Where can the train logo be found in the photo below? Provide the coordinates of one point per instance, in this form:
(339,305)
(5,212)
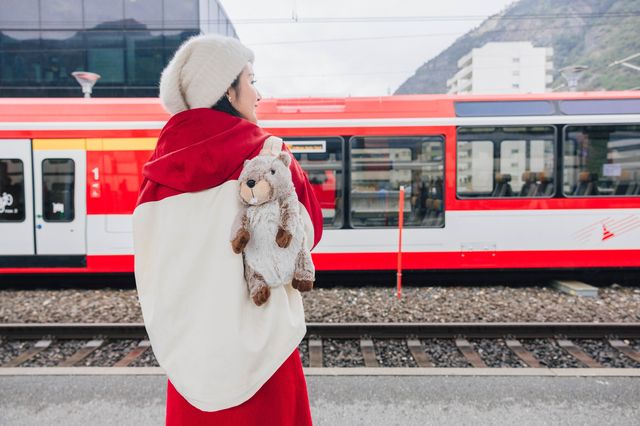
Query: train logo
(5,201)
(606,234)
(57,208)
(609,228)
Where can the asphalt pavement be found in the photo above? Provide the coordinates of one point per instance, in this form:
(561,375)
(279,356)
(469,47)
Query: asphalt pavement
(341,400)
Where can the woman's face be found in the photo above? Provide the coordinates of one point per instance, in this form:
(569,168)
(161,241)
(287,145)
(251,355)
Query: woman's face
(245,97)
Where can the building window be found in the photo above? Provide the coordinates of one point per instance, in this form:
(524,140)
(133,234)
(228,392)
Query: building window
(380,165)
(143,14)
(105,55)
(62,53)
(515,73)
(61,14)
(516,60)
(145,58)
(515,86)
(19,14)
(181,14)
(100,14)
(602,160)
(20,58)
(498,162)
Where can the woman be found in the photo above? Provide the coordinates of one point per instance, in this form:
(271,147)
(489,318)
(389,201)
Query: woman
(228,361)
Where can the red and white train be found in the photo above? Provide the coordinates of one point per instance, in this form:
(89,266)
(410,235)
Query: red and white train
(547,181)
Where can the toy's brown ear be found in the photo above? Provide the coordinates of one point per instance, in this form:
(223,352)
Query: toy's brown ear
(285,158)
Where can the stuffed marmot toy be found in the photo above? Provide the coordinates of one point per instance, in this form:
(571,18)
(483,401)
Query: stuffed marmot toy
(268,229)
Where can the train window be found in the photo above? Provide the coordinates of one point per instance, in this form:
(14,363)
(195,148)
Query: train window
(380,165)
(602,160)
(12,208)
(600,106)
(321,159)
(475,167)
(503,108)
(58,181)
(498,162)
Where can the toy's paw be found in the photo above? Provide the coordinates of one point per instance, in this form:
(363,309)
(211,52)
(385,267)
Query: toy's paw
(302,285)
(261,294)
(283,238)
(240,241)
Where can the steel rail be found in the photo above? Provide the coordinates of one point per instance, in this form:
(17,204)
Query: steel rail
(349,330)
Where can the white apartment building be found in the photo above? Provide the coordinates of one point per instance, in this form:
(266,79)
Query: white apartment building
(504,67)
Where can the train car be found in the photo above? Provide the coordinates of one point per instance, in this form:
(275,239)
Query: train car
(498,182)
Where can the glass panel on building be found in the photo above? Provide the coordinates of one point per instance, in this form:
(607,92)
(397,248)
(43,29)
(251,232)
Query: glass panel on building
(143,14)
(62,54)
(321,160)
(496,162)
(181,14)
(380,165)
(58,182)
(216,18)
(20,59)
(19,14)
(173,40)
(61,14)
(12,208)
(103,14)
(145,59)
(105,55)
(602,160)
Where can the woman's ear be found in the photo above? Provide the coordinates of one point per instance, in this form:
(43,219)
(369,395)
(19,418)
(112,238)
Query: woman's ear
(285,158)
(230,94)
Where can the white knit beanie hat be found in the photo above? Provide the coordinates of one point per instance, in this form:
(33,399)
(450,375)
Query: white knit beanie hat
(201,71)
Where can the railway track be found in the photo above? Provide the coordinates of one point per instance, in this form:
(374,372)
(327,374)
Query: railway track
(476,345)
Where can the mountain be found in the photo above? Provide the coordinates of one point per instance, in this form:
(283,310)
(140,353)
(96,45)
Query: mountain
(582,32)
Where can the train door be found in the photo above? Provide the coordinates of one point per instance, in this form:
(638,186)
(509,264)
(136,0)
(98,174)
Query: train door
(60,196)
(16,198)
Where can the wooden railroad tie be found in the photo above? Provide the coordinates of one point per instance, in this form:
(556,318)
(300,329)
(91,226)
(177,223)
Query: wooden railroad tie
(526,356)
(28,354)
(418,353)
(134,354)
(578,353)
(368,353)
(469,353)
(81,353)
(625,349)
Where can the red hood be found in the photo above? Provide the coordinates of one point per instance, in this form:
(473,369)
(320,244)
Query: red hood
(202,148)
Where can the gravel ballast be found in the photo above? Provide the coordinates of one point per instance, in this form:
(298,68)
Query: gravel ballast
(366,304)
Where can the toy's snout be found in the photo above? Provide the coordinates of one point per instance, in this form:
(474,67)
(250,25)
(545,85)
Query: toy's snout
(255,192)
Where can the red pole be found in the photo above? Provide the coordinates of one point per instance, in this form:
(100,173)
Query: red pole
(400,223)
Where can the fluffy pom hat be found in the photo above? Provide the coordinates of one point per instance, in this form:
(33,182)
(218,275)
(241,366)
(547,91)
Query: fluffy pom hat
(201,71)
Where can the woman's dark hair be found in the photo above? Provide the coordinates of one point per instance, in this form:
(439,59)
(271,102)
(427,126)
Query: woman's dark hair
(224,105)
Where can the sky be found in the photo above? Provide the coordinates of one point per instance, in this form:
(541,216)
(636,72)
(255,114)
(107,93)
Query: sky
(348,47)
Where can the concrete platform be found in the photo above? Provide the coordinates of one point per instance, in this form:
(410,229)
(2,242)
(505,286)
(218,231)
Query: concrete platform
(341,400)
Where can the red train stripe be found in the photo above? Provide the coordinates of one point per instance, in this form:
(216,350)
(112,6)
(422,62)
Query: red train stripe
(479,260)
(411,261)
